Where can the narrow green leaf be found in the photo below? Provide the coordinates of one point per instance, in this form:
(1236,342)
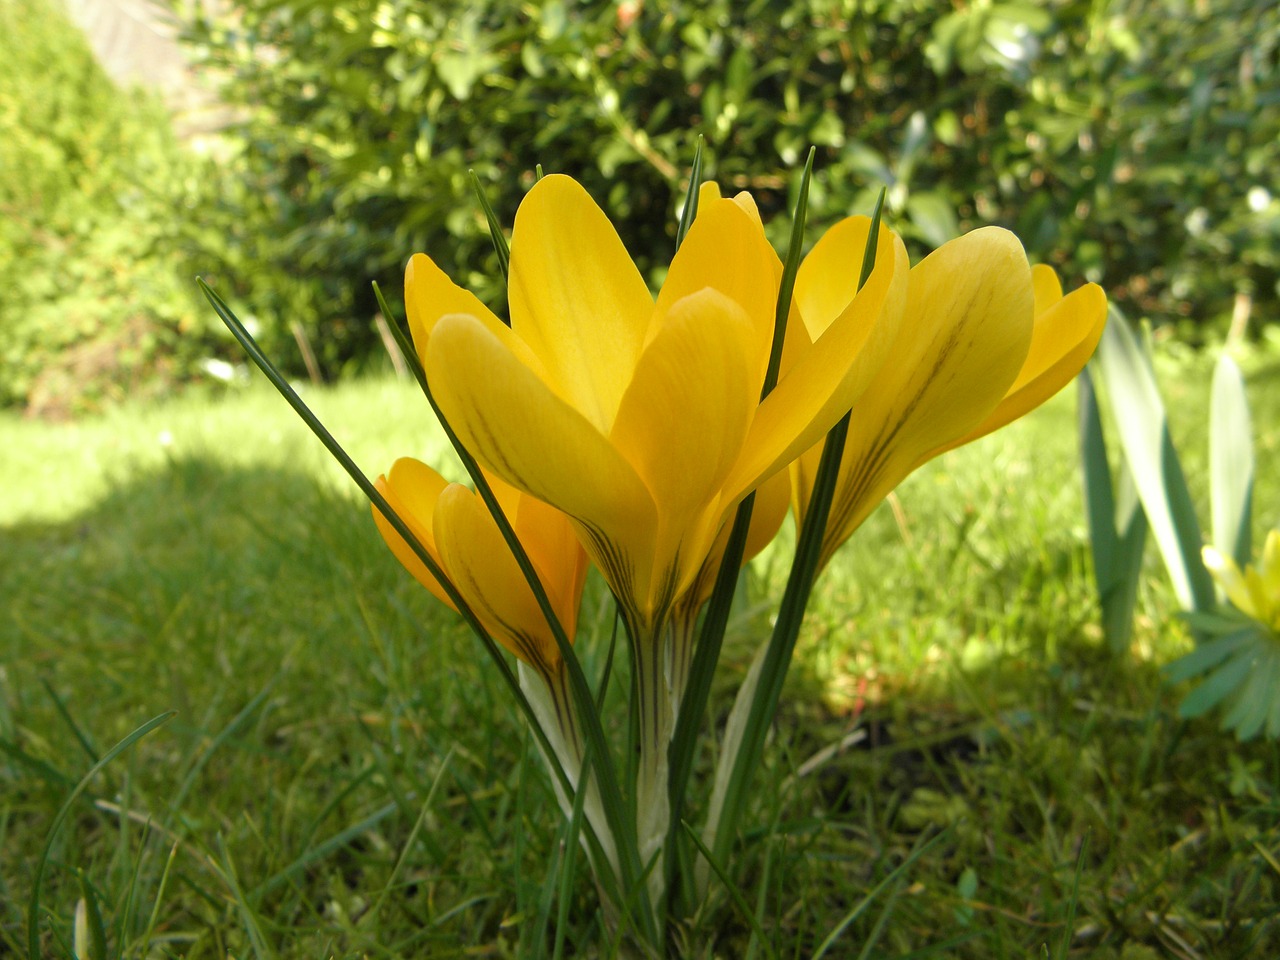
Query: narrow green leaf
(496,236)
(371,492)
(1230,463)
(804,569)
(33,903)
(569,859)
(1216,687)
(261,949)
(1208,655)
(81,738)
(154,919)
(1117,531)
(1099,501)
(790,267)
(1144,437)
(734,893)
(96,932)
(611,798)
(537,172)
(1064,945)
(871,897)
(690,210)
(711,637)
(249,709)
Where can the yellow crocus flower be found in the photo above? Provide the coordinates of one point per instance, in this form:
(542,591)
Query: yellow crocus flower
(640,420)
(1256,591)
(453,524)
(984,339)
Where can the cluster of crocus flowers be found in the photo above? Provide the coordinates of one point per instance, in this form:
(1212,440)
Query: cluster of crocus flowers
(635,426)
(983,339)
(1255,591)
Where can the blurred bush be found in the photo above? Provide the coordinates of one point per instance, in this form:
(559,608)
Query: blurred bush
(94,197)
(1127,142)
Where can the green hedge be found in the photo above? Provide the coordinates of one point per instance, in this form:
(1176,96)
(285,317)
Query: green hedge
(96,298)
(1130,143)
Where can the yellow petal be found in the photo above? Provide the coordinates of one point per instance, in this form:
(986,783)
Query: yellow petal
(725,250)
(1271,566)
(708,193)
(520,430)
(828,276)
(429,295)
(826,380)
(548,538)
(577,299)
(681,425)
(965,333)
(1229,577)
(1046,286)
(487,576)
(1062,341)
(412,488)
(1259,602)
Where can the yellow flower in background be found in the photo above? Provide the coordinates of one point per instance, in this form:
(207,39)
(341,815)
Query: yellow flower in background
(1256,591)
(640,420)
(984,339)
(453,524)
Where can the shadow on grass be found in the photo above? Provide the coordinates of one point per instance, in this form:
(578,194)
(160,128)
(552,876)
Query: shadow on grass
(319,690)
(327,706)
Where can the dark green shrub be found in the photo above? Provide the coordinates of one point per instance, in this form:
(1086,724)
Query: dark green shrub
(1121,140)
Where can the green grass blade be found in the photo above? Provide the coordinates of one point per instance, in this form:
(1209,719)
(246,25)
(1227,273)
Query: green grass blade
(1131,521)
(1144,436)
(804,569)
(154,918)
(690,210)
(871,897)
(95,931)
(33,904)
(568,861)
(496,236)
(188,781)
(790,267)
(313,423)
(1230,463)
(1064,945)
(261,949)
(611,797)
(402,340)
(81,737)
(734,893)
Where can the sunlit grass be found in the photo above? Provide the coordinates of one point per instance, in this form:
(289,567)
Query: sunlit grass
(345,778)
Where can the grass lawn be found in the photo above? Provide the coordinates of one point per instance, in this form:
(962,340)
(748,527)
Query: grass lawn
(344,778)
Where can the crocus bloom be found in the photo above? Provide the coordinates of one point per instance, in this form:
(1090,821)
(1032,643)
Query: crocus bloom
(1256,591)
(453,524)
(984,339)
(455,527)
(640,420)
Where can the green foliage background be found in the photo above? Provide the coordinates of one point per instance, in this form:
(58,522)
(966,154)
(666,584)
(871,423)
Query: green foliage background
(95,199)
(1127,142)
